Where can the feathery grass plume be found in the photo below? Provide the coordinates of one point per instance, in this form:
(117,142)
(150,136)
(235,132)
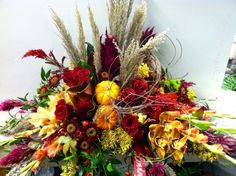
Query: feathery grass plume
(153,43)
(81,38)
(96,41)
(129,60)
(66,39)
(137,23)
(118,13)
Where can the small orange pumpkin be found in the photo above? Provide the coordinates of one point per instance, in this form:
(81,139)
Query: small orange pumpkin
(106,92)
(106,117)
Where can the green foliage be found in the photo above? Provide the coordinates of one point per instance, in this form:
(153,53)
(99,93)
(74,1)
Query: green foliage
(190,170)
(229,83)
(102,162)
(44,75)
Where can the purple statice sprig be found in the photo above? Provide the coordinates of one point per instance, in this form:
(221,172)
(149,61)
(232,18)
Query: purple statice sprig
(227,142)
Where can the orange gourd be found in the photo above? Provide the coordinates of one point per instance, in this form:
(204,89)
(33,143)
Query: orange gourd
(106,117)
(106,92)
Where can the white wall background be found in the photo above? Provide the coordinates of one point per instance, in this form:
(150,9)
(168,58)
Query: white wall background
(204,27)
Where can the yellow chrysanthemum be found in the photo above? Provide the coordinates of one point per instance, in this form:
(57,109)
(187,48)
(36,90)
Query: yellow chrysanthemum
(191,94)
(143,71)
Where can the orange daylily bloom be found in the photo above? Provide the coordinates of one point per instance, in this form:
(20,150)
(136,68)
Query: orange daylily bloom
(40,154)
(53,149)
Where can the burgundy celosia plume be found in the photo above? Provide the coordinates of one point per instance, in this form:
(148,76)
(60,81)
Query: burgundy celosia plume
(37,53)
(15,155)
(146,35)
(109,55)
(7,105)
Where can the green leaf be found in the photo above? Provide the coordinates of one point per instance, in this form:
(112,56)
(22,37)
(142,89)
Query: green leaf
(43,74)
(64,139)
(48,74)
(90,49)
(114,161)
(110,168)
(66,147)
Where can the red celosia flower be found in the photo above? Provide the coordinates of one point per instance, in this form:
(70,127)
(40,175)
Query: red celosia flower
(140,86)
(7,105)
(37,53)
(83,106)
(130,124)
(109,55)
(54,80)
(63,110)
(146,35)
(76,77)
(15,155)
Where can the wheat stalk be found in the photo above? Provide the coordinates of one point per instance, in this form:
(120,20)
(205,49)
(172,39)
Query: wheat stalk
(66,39)
(153,43)
(96,41)
(118,14)
(81,38)
(137,23)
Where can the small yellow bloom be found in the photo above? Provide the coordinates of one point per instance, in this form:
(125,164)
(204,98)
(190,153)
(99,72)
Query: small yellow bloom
(191,94)
(143,71)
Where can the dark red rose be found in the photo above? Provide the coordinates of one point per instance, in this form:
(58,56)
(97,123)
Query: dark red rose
(153,110)
(128,95)
(77,76)
(130,124)
(63,110)
(83,106)
(140,86)
(81,76)
(142,148)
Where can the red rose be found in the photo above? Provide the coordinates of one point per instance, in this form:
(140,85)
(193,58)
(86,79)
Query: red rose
(142,148)
(154,109)
(77,76)
(83,106)
(81,76)
(63,110)
(128,95)
(130,124)
(140,86)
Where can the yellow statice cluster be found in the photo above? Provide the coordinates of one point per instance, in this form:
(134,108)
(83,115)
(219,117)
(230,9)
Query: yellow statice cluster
(203,153)
(68,168)
(143,71)
(117,140)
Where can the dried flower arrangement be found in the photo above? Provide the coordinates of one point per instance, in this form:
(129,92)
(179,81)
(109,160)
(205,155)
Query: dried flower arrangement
(113,110)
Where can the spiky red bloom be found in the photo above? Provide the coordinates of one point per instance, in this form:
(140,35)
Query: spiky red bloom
(15,155)
(37,53)
(7,105)
(146,35)
(109,55)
